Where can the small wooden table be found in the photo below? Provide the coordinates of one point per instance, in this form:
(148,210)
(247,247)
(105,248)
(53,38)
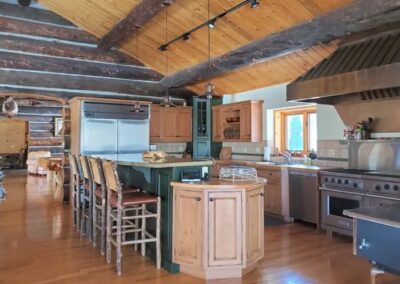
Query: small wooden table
(55,176)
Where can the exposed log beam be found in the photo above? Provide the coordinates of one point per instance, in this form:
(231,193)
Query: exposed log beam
(44,30)
(28,13)
(68,50)
(29,80)
(14,60)
(355,17)
(64,94)
(137,18)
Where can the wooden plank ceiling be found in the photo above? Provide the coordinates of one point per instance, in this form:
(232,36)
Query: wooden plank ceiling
(239,28)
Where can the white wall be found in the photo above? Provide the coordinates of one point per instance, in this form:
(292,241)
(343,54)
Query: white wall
(330,126)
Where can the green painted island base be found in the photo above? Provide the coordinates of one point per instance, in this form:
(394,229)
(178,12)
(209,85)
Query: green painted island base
(157,181)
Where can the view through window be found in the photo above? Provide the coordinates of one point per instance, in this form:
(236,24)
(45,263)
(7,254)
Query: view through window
(298,130)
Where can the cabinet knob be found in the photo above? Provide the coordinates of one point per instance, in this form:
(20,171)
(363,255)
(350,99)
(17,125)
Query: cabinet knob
(262,194)
(211,199)
(198,198)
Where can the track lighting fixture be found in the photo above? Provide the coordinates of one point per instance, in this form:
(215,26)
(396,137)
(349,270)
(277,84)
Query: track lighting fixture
(254,3)
(211,23)
(24,3)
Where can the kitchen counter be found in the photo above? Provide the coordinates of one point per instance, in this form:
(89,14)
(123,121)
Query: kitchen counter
(167,163)
(218,227)
(389,216)
(270,165)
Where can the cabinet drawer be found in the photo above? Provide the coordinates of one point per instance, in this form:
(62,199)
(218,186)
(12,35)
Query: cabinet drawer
(271,176)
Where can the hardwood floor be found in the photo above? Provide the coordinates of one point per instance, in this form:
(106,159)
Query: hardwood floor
(38,244)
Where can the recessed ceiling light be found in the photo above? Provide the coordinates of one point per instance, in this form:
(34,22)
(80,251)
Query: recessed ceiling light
(254,3)
(211,23)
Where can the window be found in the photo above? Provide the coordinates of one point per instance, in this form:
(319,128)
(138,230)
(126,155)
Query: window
(296,130)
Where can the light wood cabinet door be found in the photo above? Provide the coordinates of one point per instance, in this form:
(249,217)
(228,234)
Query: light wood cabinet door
(255,224)
(273,198)
(187,227)
(169,119)
(245,121)
(272,192)
(184,124)
(225,228)
(155,124)
(217,123)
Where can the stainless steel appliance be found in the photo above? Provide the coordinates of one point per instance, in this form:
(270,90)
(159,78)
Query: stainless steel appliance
(343,189)
(303,196)
(114,131)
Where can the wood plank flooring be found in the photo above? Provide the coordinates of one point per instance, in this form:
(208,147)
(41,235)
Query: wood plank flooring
(38,244)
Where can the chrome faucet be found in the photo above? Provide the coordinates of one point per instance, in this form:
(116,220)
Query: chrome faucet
(287,155)
(211,159)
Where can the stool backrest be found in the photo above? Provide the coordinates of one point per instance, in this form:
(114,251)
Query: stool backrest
(111,175)
(73,165)
(97,170)
(85,167)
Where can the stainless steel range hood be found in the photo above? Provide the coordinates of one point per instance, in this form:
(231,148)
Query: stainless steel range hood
(361,79)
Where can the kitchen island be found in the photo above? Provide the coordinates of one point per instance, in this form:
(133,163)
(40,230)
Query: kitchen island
(218,227)
(155,178)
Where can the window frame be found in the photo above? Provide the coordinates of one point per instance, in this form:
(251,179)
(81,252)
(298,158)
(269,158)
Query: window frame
(281,115)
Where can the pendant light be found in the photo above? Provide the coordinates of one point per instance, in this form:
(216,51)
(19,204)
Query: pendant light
(167,102)
(209,87)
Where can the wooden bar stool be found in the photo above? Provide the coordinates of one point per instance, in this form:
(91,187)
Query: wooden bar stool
(76,190)
(99,203)
(117,205)
(87,200)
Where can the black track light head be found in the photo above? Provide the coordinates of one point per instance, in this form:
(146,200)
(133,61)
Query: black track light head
(163,47)
(186,36)
(254,3)
(211,23)
(24,3)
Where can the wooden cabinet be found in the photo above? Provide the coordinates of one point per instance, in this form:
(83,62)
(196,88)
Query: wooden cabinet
(273,192)
(217,232)
(173,124)
(188,228)
(255,225)
(155,124)
(217,123)
(241,122)
(184,124)
(225,228)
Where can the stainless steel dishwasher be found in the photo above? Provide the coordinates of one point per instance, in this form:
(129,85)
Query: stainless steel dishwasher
(303,196)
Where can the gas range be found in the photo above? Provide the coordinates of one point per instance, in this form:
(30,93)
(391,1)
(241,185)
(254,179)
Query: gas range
(343,189)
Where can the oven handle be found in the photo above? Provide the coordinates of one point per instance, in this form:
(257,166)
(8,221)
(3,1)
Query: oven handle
(383,197)
(340,191)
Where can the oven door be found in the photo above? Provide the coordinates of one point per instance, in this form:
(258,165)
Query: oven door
(334,202)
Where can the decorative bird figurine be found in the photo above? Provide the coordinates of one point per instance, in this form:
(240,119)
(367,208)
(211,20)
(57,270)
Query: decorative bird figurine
(10,107)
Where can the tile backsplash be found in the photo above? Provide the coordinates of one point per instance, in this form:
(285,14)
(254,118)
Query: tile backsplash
(174,149)
(331,153)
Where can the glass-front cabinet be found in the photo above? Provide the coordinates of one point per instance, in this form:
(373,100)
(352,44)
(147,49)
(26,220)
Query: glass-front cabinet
(202,128)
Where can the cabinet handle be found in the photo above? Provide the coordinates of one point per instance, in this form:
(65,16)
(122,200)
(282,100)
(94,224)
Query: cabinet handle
(211,199)
(198,198)
(261,194)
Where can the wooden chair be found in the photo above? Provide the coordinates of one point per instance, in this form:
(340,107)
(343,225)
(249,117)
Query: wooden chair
(76,190)
(99,203)
(87,201)
(119,203)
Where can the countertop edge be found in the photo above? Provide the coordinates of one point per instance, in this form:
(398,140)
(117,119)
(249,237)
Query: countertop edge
(367,217)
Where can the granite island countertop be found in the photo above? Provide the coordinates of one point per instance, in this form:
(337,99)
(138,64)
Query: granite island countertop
(215,183)
(169,162)
(389,216)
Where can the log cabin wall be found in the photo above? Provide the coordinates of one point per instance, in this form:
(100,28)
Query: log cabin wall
(41,116)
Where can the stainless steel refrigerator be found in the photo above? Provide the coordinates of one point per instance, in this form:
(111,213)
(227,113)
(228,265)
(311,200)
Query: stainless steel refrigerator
(117,132)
